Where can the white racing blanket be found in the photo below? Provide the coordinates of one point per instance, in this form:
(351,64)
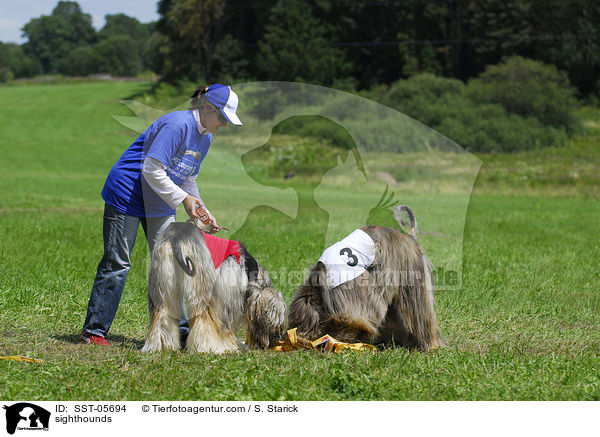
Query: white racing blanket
(348,258)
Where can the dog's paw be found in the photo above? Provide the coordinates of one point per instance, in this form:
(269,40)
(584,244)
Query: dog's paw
(147,349)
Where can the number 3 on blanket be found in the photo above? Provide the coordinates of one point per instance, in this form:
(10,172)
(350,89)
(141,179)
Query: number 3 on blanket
(348,252)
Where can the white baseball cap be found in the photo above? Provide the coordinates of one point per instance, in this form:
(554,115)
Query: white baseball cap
(223,97)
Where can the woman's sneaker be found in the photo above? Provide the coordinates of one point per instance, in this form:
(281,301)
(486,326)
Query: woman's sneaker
(93,339)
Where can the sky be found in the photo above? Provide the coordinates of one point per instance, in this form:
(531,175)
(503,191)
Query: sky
(15,14)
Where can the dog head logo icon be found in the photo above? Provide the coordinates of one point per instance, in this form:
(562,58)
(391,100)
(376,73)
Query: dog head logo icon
(25,416)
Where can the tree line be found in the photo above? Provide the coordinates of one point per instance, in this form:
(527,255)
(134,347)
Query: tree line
(65,42)
(350,43)
(492,75)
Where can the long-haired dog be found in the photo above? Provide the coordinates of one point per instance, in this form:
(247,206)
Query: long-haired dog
(218,300)
(390,303)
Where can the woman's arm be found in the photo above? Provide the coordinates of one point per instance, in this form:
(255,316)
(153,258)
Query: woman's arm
(156,176)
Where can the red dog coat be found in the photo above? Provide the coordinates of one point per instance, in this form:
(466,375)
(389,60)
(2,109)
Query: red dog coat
(220,249)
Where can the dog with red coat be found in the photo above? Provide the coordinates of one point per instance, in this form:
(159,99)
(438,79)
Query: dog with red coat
(222,286)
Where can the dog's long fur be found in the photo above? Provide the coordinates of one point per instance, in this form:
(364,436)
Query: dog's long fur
(217,300)
(389,304)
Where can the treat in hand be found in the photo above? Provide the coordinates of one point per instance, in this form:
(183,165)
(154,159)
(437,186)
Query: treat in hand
(204,217)
(209,226)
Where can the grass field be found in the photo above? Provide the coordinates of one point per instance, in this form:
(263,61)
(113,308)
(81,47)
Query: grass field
(524,325)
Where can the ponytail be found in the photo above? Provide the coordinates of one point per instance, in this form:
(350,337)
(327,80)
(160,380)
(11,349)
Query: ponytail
(199,99)
(200,91)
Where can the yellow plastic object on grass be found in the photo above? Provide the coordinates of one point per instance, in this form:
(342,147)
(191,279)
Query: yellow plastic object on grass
(21,358)
(326,343)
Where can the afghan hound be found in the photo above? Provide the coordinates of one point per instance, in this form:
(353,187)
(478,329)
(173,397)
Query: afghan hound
(375,286)
(221,287)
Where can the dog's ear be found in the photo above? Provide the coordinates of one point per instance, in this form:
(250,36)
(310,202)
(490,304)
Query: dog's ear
(318,276)
(263,279)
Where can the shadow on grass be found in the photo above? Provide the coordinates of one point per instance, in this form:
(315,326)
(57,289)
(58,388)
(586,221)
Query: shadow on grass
(114,340)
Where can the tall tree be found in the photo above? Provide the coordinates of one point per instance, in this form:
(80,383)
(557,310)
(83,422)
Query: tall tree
(495,30)
(568,36)
(118,55)
(367,31)
(121,24)
(51,38)
(138,34)
(13,59)
(296,46)
(193,29)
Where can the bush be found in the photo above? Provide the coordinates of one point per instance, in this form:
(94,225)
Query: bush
(489,128)
(13,58)
(6,76)
(305,156)
(292,148)
(82,61)
(118,56)
(424,87)
(530,89)
(316,127)
(482,121)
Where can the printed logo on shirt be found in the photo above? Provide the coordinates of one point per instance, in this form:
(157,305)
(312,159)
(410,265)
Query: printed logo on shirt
(180,169)
(196,155)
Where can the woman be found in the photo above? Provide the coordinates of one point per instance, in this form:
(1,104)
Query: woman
(152,177)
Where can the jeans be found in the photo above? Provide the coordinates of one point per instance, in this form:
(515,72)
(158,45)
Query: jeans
(119,232)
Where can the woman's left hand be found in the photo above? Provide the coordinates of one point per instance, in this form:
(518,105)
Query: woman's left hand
(193,206)
(211,219)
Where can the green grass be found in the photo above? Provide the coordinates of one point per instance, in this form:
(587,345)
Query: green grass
(523,326)
(573,170)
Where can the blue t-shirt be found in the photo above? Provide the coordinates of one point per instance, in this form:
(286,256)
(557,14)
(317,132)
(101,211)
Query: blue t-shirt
(173,140)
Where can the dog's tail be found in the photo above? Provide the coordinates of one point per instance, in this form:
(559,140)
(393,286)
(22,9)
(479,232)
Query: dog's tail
(427,323)
(306,307)
(415,300)
(414,295)
(398,210)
